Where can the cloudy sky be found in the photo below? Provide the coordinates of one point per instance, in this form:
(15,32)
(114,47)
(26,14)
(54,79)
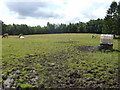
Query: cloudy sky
(39,12)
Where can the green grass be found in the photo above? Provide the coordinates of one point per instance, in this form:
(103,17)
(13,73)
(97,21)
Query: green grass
(54,60)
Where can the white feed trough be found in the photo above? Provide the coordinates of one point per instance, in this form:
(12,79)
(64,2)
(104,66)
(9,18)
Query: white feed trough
(106,41)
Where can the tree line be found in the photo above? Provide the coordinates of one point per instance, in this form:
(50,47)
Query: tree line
(110,25)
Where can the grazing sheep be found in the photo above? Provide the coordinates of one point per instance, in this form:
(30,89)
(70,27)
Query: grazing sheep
(93,36)
(21,36)
(5,35)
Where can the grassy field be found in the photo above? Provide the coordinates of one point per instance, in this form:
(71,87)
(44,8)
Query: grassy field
(58,61)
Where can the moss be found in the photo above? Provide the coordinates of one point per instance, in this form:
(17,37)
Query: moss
(24,72)
(21,80)
(25,85)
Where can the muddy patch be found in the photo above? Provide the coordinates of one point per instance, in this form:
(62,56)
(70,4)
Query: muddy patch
(95,49)
(87,48)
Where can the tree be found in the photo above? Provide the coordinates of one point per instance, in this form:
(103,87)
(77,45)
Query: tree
(50,28)
(112,19)
(94,26)
(118,23)
(72,28)
(110,24)
(81,27)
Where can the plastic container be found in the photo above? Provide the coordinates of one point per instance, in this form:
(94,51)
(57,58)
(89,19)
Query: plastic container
(106,39)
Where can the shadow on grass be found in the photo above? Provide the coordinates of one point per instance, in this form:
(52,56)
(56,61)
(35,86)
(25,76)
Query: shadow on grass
(96,49)
(115,50)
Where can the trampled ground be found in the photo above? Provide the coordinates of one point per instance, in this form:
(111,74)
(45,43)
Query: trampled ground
(58,61)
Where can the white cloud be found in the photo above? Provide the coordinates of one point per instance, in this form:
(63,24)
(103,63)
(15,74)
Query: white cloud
(5,14)
(56,11)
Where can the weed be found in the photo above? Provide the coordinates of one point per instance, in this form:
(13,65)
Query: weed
(24,72)
(21,80)
(25,86)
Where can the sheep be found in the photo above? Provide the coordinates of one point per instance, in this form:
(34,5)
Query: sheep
(21,36)
(94,36)
(5,35)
